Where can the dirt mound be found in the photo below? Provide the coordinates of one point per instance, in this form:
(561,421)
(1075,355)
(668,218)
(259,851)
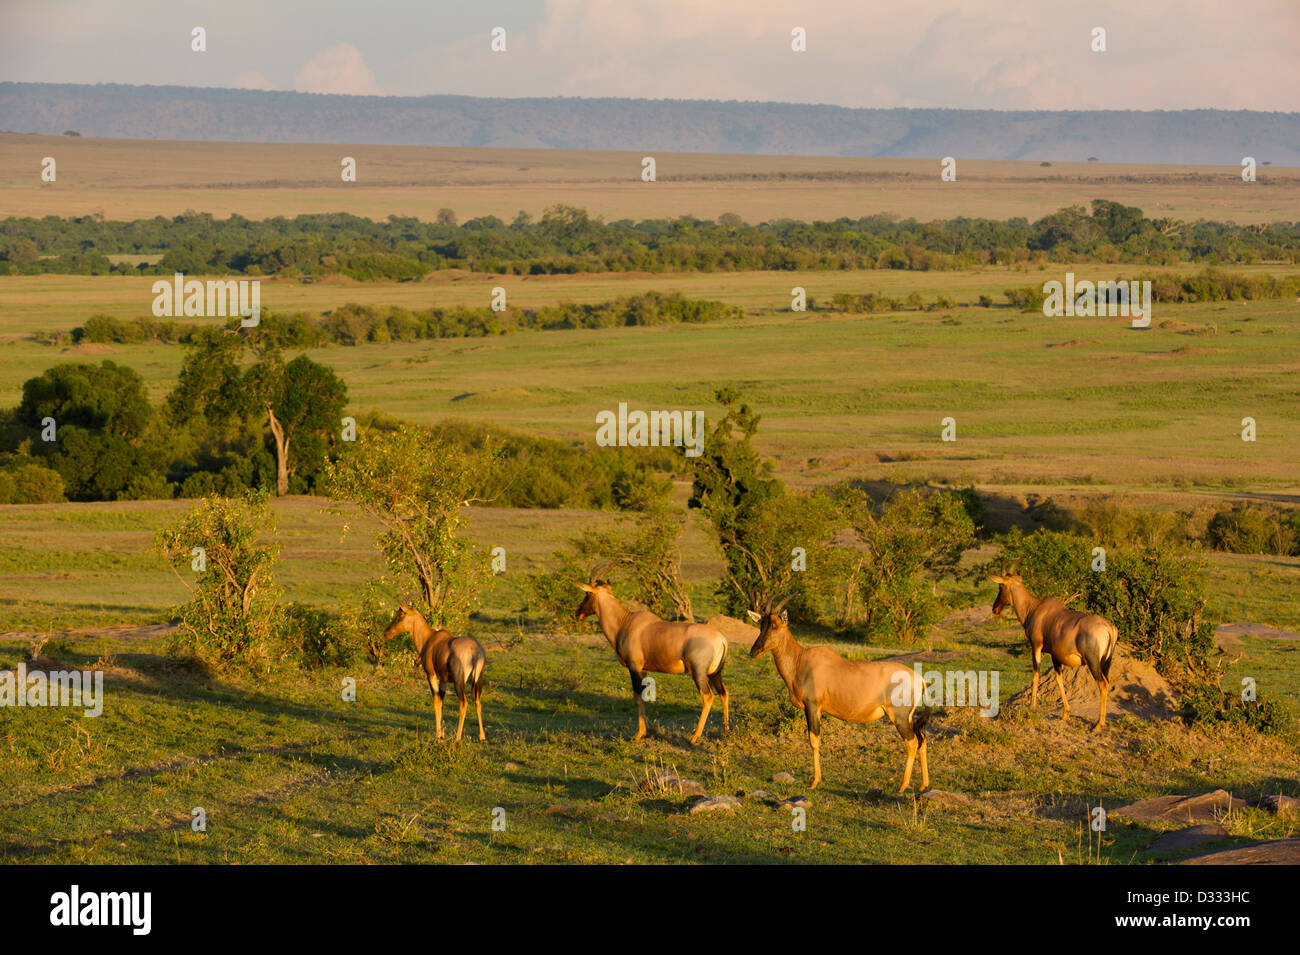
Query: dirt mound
(967,619)
(1135,689)
(736,631)
(1076,343)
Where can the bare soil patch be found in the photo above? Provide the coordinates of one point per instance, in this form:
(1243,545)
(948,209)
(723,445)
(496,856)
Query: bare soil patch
(122,632)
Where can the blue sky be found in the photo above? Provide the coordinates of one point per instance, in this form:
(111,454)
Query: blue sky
(996,54)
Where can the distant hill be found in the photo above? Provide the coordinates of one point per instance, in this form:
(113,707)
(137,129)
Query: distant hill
(185,113)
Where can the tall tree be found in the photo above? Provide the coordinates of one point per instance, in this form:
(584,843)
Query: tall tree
(299,403)
(97,417)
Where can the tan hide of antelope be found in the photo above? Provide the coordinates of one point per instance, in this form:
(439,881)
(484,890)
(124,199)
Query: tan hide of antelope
(821,682)
(645,643)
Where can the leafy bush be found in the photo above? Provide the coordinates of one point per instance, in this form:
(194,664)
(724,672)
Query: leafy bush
(417,487)
(1154,595)
(355,633)
(884,579)
(1255,529)
(100,413)
(552,594)
(1027,298)
(1207,704)
(303,636)
(233,615)
(25,482)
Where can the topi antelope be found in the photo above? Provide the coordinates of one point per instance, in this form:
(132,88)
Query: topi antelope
(1071,638)
(446,659)
(644,643)
(821,681)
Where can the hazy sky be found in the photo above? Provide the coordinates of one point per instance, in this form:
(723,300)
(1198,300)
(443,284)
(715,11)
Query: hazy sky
(996,54)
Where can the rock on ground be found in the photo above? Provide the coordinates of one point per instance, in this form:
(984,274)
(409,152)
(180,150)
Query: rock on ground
(1187,838)
(941,797)
(1275,852)
(671,782)
(715,804)
(1191,809)
(1280,804)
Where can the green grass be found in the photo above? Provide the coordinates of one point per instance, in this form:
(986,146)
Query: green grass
(864,395)
(288,772)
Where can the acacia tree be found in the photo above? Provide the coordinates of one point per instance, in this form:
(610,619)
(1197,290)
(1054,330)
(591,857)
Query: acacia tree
(417,487)
(303,402)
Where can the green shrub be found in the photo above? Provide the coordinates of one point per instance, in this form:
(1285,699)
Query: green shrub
(1255,529)
(233,616)
(1207,704)
(884,581)
(29,483)
(1154,595)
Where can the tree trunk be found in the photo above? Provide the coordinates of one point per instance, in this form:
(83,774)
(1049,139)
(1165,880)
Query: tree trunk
(281,454)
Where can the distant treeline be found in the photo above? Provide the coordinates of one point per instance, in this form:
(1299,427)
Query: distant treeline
(567,240)
(353,324)
(1210,285)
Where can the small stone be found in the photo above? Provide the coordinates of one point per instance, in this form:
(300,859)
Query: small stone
(671,782)
(781,778)
(942,797)
(512,767)
(762,795)
(560,809)
(715,804)
(796,802)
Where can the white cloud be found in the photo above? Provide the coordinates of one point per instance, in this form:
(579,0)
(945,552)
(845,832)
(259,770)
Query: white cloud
(994,54)
(336,69)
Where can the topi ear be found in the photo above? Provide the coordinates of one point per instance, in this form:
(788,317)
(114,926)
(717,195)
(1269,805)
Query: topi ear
(785,617)
(996,579)
(753,616)
(587,587)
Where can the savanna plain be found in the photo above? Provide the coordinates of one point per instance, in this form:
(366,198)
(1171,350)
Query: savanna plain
(1056,419)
